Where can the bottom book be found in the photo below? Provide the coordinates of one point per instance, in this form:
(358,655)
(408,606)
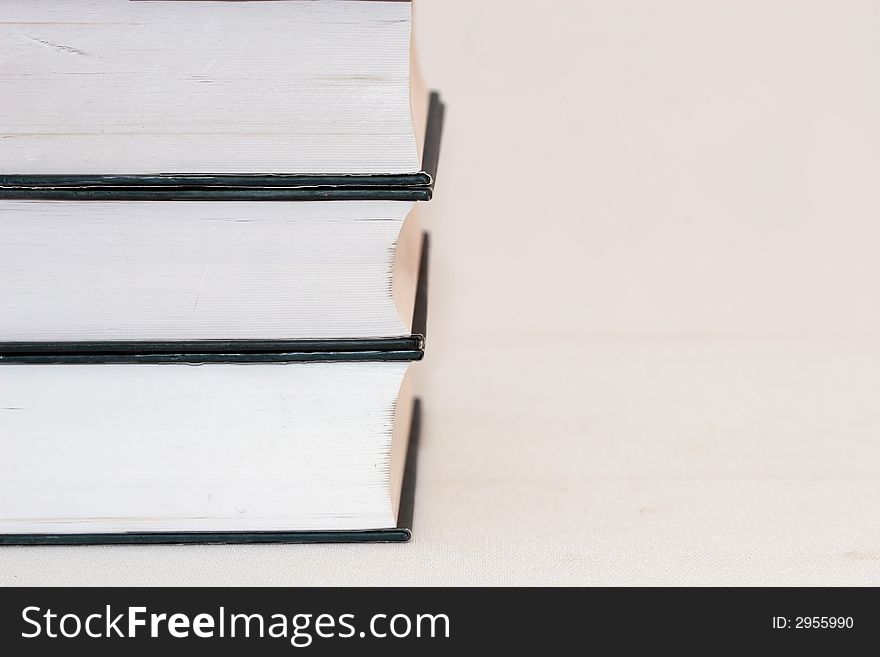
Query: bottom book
(291,456)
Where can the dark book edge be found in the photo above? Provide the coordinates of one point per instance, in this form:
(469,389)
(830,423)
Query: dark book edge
(241,187)
(407,348)
(400,534)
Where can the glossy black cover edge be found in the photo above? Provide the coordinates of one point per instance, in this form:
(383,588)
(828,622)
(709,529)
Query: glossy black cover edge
(400,534)
(406,348)
(241,187)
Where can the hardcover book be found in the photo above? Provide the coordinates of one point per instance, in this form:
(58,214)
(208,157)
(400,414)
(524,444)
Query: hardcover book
(274,100)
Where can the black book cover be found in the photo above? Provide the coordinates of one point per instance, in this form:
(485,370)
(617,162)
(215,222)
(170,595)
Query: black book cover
(241,187)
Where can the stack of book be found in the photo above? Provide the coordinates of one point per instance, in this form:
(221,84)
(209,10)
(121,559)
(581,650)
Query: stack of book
(212,278)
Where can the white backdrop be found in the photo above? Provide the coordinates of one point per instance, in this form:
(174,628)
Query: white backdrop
(654,347)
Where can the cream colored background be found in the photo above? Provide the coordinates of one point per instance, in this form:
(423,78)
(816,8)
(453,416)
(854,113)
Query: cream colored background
(654,354)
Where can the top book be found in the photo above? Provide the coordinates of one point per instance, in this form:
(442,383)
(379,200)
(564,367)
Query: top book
(153,88)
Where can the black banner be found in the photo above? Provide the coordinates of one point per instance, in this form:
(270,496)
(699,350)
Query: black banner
(429,621)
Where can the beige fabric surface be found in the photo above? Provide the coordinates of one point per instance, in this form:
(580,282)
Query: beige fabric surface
(654,349)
